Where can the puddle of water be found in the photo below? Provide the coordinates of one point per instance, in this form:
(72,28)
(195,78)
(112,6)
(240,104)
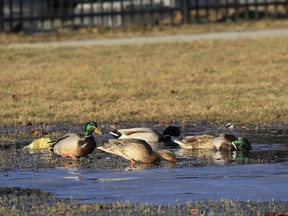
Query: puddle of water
(159,186)
(199,175)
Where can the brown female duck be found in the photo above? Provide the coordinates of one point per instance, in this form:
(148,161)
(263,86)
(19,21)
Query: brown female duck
(136,150)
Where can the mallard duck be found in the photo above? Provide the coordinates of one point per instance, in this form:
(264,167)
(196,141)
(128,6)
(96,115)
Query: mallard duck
(76,146)
(147,134)
(136,150)
(196,142)
(223,142)
(230,142)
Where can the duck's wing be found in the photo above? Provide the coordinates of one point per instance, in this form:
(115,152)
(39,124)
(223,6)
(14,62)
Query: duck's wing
(131,143)
(127,148)
(196,142)
(67,144)
(136,149)
(69,135)
(146,134)
(79,136)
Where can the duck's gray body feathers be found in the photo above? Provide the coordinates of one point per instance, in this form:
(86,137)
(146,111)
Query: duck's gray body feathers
(147,134)
(196,142)
(75,144)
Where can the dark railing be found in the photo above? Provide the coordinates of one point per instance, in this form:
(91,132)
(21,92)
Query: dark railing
(48,15)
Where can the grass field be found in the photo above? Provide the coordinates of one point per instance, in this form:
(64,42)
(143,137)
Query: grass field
(240,81)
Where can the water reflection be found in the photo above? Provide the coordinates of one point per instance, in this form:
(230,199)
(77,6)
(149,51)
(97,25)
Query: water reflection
(68,165)
(143,166)
(207,156)
(228,157)
(140,166)
(261,153)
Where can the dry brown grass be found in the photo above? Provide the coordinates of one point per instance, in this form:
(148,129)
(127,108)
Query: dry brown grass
(242,81)
(17,201)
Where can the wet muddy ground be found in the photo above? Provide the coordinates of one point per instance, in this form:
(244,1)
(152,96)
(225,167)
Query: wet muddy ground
(198,175)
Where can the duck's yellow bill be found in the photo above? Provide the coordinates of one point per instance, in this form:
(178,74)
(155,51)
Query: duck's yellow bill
(98,131)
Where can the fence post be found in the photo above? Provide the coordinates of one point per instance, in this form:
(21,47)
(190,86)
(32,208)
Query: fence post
(185,10)
(197,11)
(1,15)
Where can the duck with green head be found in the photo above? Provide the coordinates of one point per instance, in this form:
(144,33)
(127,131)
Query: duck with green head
(76,146)
(223,142)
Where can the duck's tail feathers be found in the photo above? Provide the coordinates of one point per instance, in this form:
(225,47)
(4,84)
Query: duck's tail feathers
(53,142)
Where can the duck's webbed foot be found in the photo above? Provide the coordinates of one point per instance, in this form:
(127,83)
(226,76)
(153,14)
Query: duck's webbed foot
(69,155)
(132,162)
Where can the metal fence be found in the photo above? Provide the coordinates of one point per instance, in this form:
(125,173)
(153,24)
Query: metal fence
(48,15)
